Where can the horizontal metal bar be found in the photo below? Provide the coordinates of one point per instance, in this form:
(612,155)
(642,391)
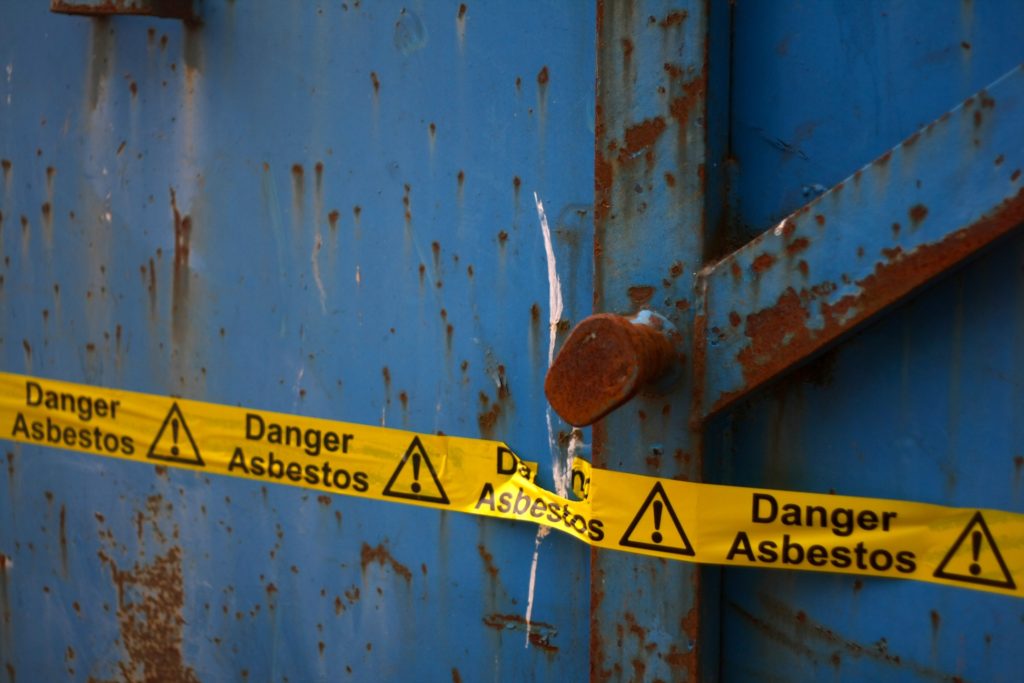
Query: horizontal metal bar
(169,9)
(929,203)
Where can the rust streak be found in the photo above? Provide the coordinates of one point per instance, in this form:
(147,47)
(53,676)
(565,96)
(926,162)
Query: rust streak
(382,556)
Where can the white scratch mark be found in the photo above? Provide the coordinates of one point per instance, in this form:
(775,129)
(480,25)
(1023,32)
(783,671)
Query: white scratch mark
(554,284)
(555,308)
(315,261)
(10,71)
(542,531)
(554,316)
(359,279)
(298,383)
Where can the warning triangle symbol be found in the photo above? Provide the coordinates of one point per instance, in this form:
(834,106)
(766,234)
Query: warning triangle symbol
(656,526)
(415,477)
(975,558)
(174,442)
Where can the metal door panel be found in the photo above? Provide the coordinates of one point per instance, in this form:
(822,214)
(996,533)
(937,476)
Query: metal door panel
(323,209)
(922,404)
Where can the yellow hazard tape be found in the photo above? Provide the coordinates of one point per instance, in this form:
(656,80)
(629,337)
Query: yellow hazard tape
(972,548)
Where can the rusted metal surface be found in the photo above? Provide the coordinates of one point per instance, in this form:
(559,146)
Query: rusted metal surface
(657,135)
(605,361)
(865,244)
(185,10)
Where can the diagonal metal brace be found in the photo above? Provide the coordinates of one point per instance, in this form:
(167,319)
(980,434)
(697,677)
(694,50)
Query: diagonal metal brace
(924,206)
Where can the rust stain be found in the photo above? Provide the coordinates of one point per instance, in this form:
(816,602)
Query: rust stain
(382,556)
(456,676)
(1015,175)
(64,539)
(488,417)
(182,246)
(150,602)
(734,319)
(640,295)
(672,19)
(488,560)
(332,219)
(763,262)
(298,191)
(779,336)
(375,81)
(462,12)
(543,76)
(917,213)
(798,245)
(539,633)
(681,108)
(604,177)
(641,138)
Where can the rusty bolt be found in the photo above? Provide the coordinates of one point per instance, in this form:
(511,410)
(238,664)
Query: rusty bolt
(605,361)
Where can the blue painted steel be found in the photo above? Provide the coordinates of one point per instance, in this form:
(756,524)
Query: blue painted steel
(325,209)
(329,210)
(923,404)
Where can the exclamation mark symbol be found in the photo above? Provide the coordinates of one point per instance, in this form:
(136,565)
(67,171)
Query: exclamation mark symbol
(976,549)
(174,435)
(416,473)
(656,536)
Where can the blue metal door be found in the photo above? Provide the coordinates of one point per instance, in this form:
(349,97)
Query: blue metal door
(923,404)
(353,210)
(393,214)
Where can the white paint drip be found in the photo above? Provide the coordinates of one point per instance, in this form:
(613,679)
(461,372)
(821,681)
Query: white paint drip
(315,261)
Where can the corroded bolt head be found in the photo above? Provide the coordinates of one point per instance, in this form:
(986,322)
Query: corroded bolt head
(605,361)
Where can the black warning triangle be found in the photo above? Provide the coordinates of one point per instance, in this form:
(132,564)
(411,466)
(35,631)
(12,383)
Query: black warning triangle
(656,526)
(975,558)
(409,481)
(174,442)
